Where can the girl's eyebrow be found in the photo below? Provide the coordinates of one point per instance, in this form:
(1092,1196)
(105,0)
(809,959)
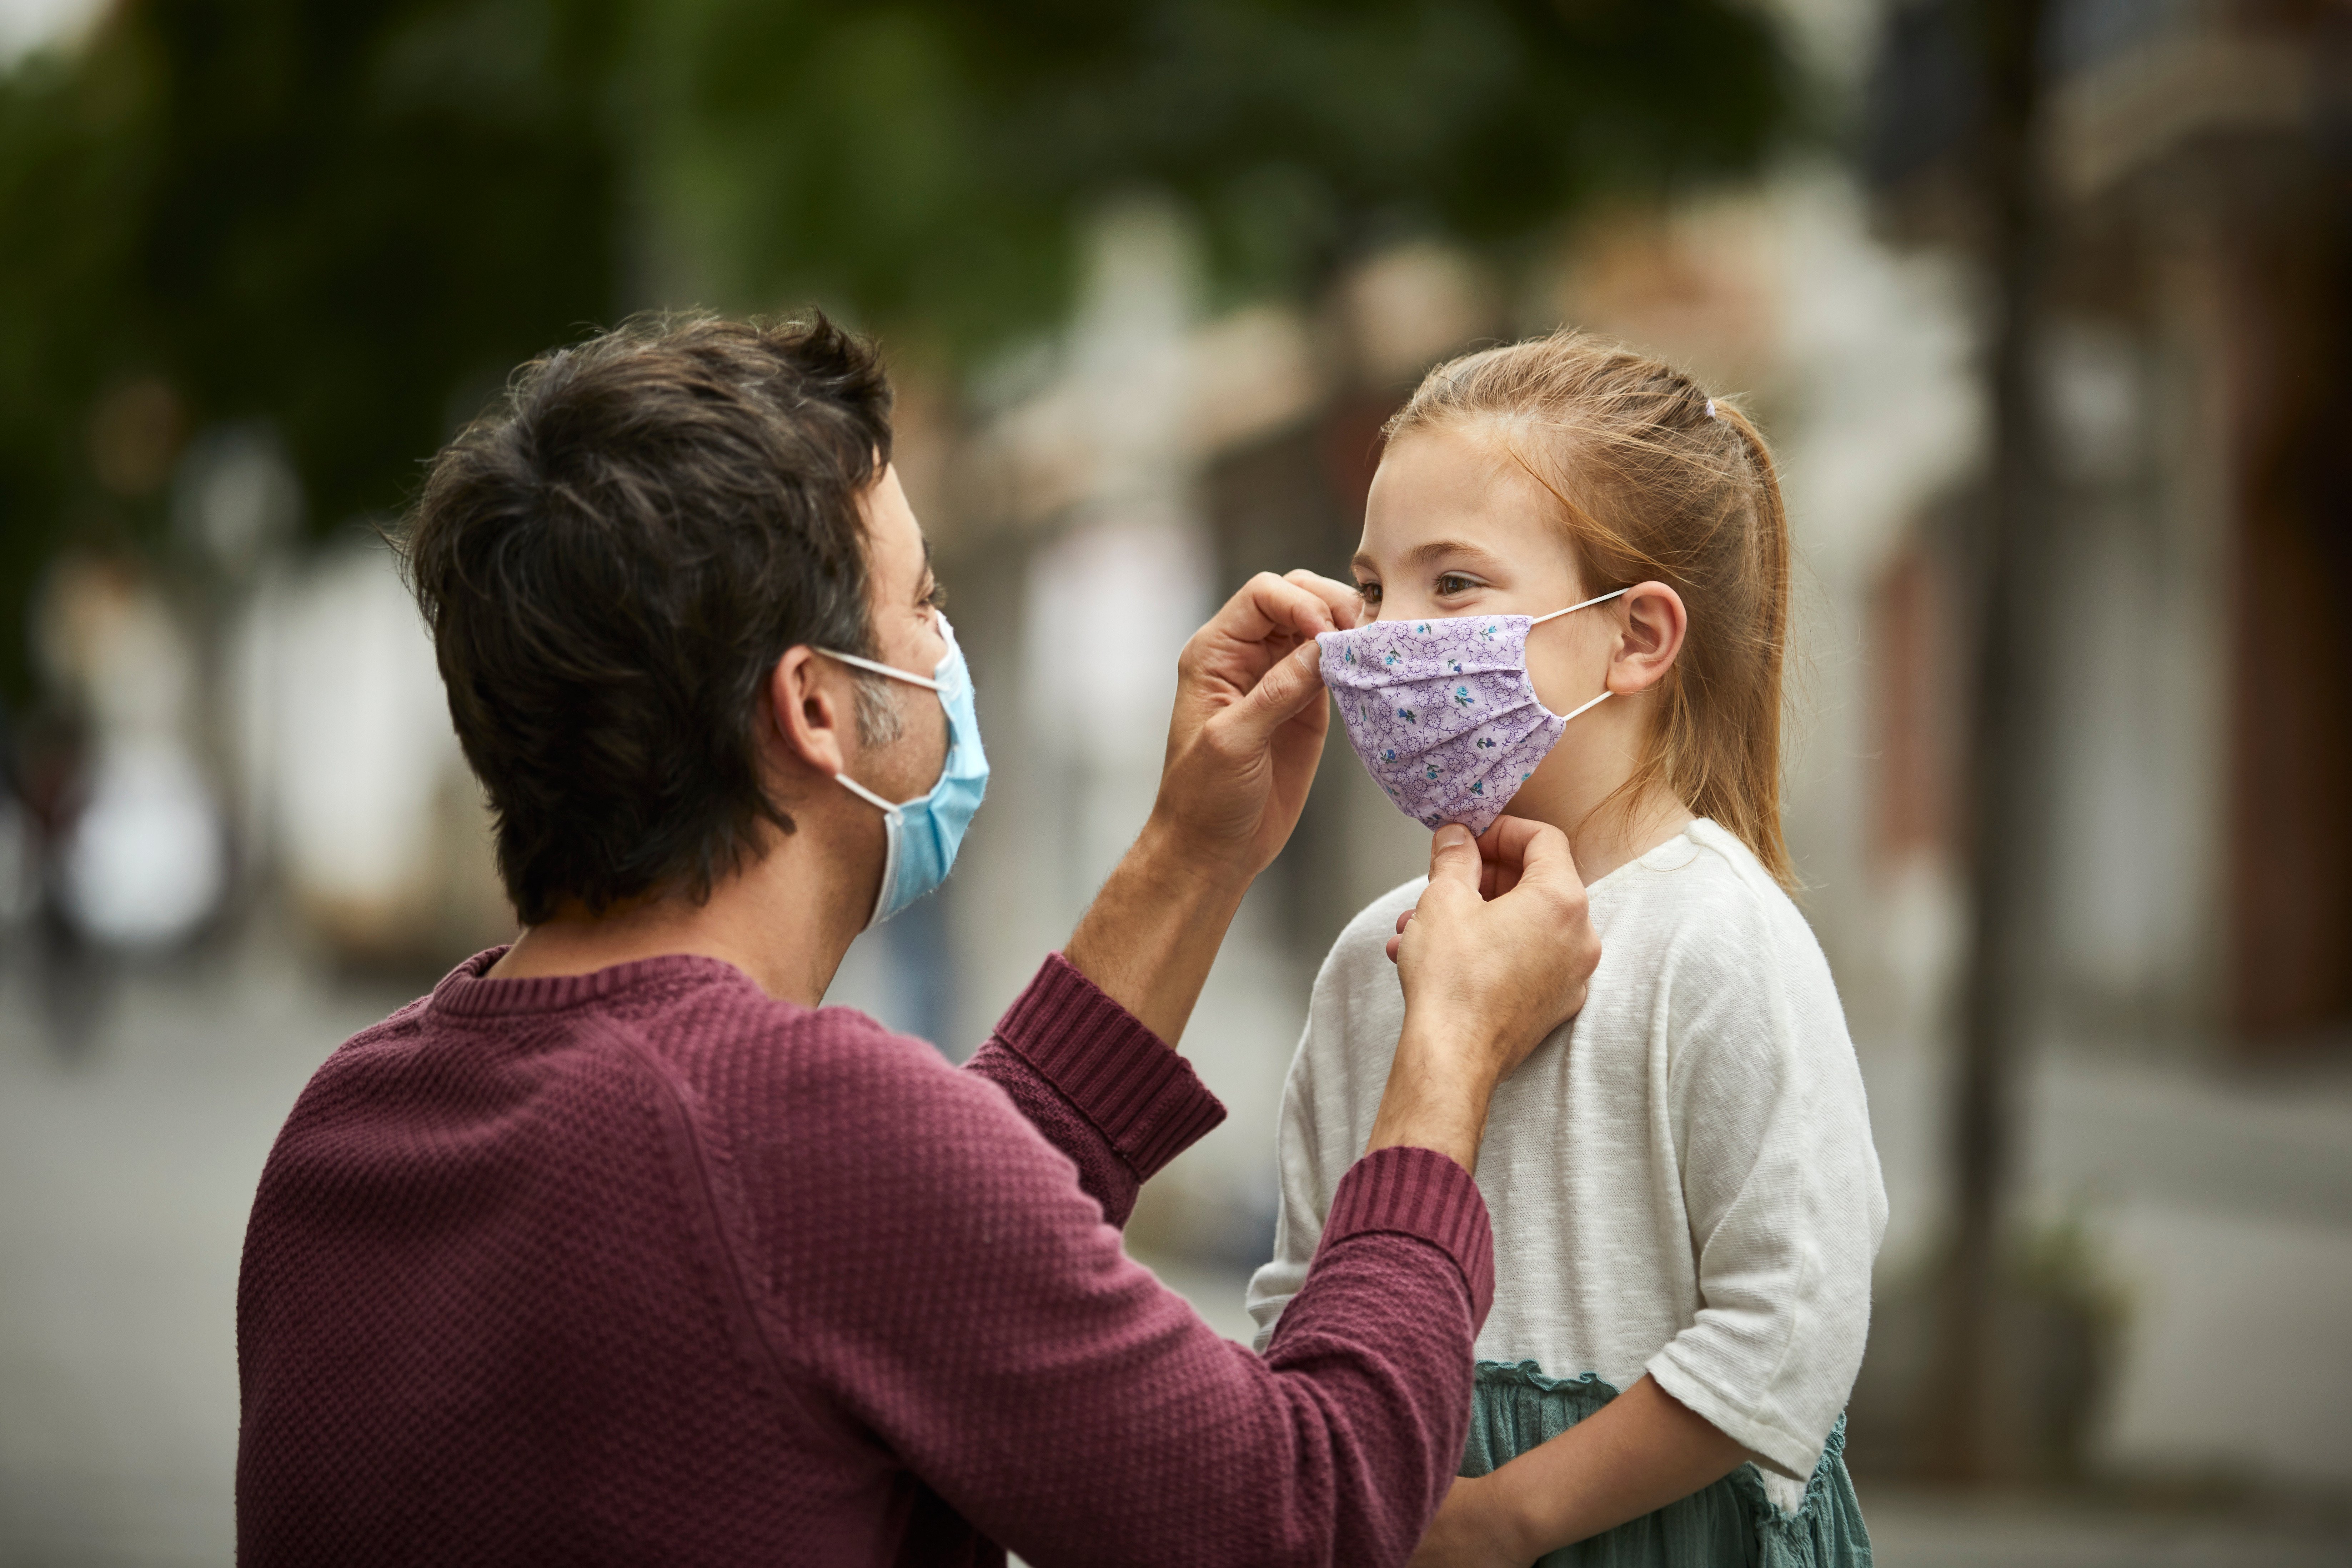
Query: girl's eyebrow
(1446,549)
(1436,549)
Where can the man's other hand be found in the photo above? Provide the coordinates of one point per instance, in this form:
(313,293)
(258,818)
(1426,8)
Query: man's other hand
(1249,721)
(1496,956)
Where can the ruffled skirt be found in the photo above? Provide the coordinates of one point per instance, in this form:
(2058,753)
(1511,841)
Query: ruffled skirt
(1730,1524)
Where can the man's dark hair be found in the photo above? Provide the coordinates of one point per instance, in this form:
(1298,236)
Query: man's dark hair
(611,565)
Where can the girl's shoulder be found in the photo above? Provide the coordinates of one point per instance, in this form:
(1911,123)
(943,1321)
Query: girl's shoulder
(1361,950)
(1701,903)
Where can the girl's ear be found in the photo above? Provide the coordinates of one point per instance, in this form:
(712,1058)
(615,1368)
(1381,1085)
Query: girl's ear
(808,712)
(1649,640)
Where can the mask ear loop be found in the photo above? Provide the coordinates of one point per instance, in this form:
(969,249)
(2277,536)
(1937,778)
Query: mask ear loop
(1596,702)
(895,673)
(890,841)
(1557,613)
(889,844)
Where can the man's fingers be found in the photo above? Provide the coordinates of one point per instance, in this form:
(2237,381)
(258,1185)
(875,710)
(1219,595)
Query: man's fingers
(1548,869)
(1542,853)
(1279,696)
(1403,921)
(1506,842)
(1267,605)
(1453,856)
(1345,601)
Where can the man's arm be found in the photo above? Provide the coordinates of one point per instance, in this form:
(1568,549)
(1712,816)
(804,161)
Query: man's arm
(966,1305)
(1104,1090)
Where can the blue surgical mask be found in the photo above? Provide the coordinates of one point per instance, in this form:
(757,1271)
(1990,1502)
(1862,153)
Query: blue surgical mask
(923,834)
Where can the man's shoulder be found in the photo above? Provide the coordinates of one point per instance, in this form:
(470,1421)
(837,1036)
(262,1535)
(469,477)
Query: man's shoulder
(781,1077)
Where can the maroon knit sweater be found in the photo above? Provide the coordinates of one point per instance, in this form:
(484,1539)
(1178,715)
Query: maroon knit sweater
(645,1265)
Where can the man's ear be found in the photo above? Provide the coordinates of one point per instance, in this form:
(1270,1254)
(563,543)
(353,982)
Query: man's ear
(1650,639)
(810,712)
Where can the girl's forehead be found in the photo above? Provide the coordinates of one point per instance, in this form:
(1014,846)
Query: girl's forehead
(1455,486)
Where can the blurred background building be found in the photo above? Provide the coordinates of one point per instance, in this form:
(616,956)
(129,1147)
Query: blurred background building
(1152,276)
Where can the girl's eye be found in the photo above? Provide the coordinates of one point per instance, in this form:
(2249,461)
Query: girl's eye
(1450,583)
(1371,591)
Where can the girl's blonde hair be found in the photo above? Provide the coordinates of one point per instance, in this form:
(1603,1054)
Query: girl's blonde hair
(1656,480)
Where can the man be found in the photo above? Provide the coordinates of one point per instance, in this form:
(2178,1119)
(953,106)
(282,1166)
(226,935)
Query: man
(613,1250)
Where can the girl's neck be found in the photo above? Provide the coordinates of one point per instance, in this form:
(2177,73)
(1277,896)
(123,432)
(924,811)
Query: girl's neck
(1606,835)
(1581,789)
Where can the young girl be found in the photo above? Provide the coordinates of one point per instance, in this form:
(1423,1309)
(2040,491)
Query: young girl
(1685,1195)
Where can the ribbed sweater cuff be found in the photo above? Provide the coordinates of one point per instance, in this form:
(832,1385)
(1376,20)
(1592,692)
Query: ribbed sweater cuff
(1420,1193)
(1142,1097)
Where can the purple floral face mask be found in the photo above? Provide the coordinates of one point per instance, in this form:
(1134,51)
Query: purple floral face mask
(1442,712)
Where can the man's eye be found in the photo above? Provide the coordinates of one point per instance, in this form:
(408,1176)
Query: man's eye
(937,597)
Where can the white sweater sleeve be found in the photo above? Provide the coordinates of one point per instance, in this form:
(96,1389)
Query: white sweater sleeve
(1781,1182)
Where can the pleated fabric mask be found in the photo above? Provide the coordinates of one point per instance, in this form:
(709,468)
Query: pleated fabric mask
(1443,712)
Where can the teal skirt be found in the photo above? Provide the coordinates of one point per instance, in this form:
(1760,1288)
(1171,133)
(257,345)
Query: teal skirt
(1731,1523)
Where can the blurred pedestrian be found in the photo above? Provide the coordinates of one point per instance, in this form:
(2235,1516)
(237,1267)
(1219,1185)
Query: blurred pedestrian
(615,1249)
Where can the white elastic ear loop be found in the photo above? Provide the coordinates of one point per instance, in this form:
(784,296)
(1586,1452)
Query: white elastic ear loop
(891,857)
(1556,615)
(1587,707)
(862,793)
(890,843)
(908,675)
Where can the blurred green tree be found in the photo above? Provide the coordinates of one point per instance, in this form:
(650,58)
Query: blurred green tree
(922,163)
(332,217)
(349,219)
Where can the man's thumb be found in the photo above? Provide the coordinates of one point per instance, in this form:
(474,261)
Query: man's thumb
(1280,693)
(1453,856)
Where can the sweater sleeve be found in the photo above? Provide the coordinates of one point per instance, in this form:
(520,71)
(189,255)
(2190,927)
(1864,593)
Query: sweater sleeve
(954,1292)
(1781,1182)
(1104,1090)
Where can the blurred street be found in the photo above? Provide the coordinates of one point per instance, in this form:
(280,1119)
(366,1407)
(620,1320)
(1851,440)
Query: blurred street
(125,1174)
(2042,306)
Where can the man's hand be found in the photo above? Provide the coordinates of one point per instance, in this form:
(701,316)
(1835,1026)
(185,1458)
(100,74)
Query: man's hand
(1485,979)
(1249,720)
(1502,855)
(1243,743)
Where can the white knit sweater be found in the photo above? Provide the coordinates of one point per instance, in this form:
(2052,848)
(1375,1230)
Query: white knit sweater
(1681,1180)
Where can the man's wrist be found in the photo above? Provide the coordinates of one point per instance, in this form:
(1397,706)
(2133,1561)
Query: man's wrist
(1148,938)
(1435,1099)
(1170,855)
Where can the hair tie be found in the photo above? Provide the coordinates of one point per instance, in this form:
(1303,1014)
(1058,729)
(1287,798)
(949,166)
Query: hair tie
(1710,408)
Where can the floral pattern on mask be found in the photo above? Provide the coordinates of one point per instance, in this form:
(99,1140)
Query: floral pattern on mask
(1442,713)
